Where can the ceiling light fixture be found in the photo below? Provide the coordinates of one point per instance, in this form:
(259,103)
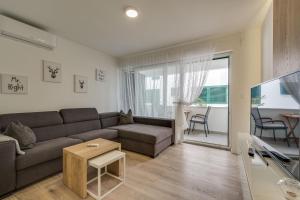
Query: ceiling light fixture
(131,12)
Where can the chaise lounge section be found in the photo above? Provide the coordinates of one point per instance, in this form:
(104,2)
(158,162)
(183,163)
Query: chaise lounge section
(57,130)
(148,136)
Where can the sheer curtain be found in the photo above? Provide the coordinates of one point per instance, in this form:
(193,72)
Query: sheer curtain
(126,89)
(191,80)
(159,84)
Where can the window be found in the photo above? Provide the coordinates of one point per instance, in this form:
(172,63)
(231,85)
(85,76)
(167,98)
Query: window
(214,95)
(156,88)
(152,82)
(153,96)
(256,95)
(215,90)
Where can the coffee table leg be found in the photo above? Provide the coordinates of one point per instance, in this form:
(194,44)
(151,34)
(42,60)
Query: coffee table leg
(75,174)
(124,168)
(99,182)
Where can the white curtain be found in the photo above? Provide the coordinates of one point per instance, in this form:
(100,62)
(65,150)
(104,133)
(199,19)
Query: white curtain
(159,84)
(126,93)
(191,80)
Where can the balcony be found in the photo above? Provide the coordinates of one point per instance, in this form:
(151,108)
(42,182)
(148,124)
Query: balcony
(217,124)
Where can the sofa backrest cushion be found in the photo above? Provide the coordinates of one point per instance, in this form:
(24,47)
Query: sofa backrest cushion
(33,120)
(79,114)
(45,125)
(109,119)
(154,121)
(50,132)
(81,127)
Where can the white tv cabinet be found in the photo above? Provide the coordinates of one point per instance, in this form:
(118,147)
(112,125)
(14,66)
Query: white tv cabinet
(262,179)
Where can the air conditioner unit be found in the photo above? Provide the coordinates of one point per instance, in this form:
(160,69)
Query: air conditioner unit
(17,30)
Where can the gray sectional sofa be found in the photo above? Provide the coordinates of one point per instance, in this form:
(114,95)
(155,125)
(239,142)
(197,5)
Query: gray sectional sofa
(56,130)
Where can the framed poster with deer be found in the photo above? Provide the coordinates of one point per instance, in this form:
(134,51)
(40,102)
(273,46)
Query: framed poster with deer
(14,84)
(52,72)
(81,84)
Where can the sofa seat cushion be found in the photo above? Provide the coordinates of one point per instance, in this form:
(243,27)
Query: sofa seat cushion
(143,133)
(44,151)
(95,134)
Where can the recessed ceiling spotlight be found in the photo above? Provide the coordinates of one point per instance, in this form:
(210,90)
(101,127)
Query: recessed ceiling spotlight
(131,12)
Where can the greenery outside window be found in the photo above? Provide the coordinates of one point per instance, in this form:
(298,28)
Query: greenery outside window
(217,94)
(256,95)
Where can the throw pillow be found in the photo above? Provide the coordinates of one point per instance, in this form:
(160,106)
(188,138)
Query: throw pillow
(23,134)
(126,118)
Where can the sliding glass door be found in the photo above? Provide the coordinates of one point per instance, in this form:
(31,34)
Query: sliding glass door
(211,127)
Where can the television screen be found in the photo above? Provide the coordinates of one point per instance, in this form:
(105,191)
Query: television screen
(275,116)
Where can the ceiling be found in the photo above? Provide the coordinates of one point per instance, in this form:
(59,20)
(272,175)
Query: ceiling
(102,24)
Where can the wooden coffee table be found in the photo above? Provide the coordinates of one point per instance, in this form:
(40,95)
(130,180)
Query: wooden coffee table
(75,163)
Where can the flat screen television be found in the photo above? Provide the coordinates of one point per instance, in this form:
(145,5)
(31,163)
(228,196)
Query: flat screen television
(275,116)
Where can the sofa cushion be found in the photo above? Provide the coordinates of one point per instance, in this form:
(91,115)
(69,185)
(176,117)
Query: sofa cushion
(155,121)
(144,133)
(126,118)
(109,119)
(79,114)
(80,127)
(100,133)
(23,134)
(33,120)
(50,132)
(44,151)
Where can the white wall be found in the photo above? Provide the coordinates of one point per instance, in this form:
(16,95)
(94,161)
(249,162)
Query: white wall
(250,74)
(24,59)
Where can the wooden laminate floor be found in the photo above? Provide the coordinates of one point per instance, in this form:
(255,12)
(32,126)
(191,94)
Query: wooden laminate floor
(184,171)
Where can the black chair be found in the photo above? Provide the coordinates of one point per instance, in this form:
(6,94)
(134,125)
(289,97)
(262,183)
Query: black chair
(200,119)
(267,123)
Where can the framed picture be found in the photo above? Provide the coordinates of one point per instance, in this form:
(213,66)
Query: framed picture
(81,84)
(100,75)
(14,84)
(52,72)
